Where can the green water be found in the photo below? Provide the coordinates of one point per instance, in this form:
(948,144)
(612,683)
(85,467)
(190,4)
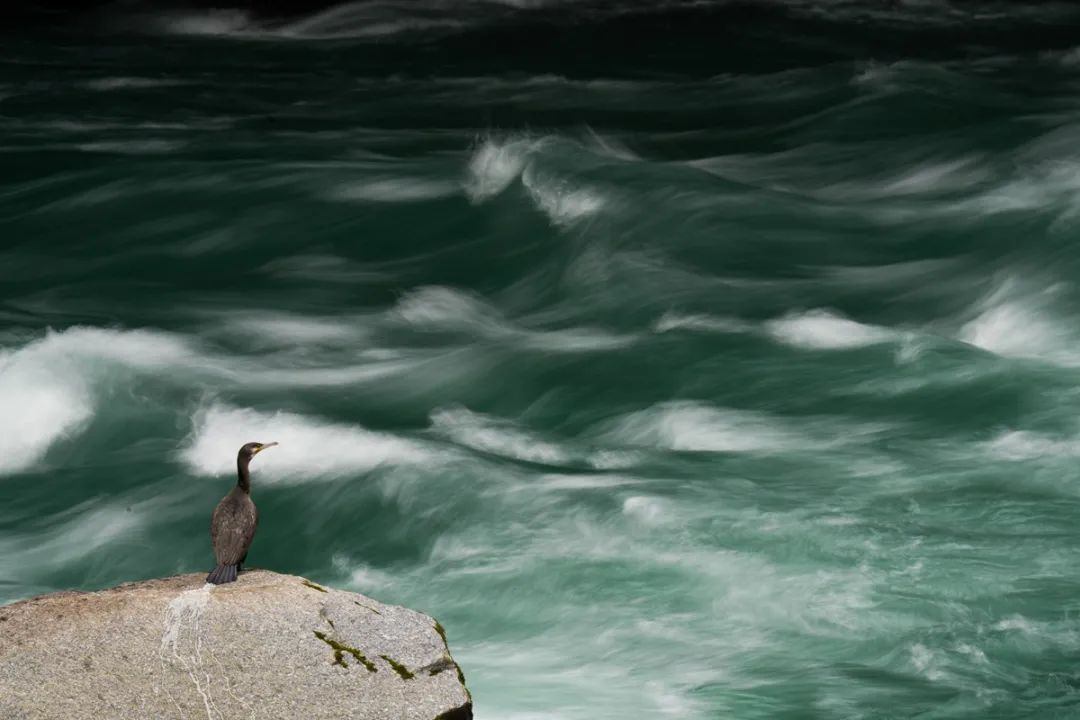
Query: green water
(713,361)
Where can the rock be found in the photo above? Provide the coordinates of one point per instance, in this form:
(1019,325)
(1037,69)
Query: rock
(266,646)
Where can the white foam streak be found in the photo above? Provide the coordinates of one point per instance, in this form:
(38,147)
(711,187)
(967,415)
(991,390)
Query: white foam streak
(687,426)
(136,348)
(575,340)
(208,22)
(671,321)
(1015,321)
(494,166)
(85,531)
(328,377)
(363,578)
(1008,329)
(647,510)
(823,330)
(308,449)
(39,407)
(290,330)
(611,147)
(492,436)
(578,482)
(47,388)
(926,662)
(562,202)
(360,20)
(1026,445)
(395,190)
(442,309)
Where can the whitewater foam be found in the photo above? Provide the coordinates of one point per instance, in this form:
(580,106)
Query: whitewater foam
(494,436)
(367,20)
(1026,445)
(926,662)
(578,482)
(670,321)
(646,510)
(611,147)
(443,309)
(356,20)
(694,427)
(362,577)
(48,388)
(76,534)
(494,165)
(1015,622)
(287,329)
(364,373)
(876,74)
(498,436)
(823,330)
(304,446)
(395,190)
(690,426)
(436,308)
(1020,319)
(559,199)
(38,407)
(575,340)
(222,22)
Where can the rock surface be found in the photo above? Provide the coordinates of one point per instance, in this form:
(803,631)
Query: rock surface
(266,646)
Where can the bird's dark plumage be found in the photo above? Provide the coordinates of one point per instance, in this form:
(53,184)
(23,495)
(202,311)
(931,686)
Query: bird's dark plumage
(232,526)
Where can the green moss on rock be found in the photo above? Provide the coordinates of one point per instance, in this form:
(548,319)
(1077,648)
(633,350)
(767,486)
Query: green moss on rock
(313,586)
(440,667)
(461,679)
(339,652)
(367,608)
(398,668)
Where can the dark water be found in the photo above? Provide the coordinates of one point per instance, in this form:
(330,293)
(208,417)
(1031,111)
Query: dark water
(695,360)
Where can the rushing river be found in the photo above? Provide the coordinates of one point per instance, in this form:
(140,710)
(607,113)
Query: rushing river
(692,360)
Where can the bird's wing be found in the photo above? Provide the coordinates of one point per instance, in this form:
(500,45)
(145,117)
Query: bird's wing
(232,529)
(215,523)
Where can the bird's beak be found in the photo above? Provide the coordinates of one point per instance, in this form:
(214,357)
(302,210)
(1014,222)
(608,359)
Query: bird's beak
(263,447)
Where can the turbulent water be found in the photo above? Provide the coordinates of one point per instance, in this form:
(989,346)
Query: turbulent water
(694,360)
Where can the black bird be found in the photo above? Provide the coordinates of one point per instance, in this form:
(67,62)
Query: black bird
(235,518)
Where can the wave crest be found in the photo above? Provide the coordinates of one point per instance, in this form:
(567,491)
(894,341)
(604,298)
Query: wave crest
(310,448)
(49,388)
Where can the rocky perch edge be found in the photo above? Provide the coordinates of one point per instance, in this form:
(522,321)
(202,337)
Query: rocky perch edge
(266,646)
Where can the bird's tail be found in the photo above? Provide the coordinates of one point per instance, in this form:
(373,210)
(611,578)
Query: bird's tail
(222,574)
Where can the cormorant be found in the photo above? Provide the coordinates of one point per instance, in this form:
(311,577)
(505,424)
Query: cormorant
(235,518)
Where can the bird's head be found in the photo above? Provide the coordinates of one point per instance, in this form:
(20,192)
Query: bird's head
(252,449)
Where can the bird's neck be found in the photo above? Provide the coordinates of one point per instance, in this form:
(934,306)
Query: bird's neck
(243,476)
